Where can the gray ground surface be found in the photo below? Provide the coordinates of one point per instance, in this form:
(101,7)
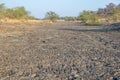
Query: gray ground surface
(62,51)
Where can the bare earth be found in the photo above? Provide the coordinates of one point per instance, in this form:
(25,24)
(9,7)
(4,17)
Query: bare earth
(61,51)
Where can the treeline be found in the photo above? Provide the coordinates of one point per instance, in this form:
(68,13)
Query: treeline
(109,14)
(54,16)
(14,13)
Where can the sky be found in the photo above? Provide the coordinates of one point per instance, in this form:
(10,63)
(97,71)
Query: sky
(38,8)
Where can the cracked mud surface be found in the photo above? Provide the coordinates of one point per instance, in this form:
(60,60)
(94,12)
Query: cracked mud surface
(62,51)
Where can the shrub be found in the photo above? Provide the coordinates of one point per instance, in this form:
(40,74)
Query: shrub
(51,16)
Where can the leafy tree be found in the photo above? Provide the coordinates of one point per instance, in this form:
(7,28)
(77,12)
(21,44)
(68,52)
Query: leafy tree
(14,13)
(85,16)
(101,11)
(94,18)
(52,16)
(20,12)
(90,18)
(111,13)
(110,6)
(115,15)
(9,13)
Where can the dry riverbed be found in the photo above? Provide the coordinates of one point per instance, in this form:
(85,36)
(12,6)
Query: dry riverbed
(59,51)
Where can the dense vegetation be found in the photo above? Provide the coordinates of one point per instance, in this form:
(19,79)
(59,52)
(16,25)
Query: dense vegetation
(109,14)
(14,13)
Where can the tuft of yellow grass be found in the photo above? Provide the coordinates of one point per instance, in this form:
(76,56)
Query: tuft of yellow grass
(6,20)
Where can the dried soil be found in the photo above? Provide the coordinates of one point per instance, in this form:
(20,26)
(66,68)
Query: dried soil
(61,51)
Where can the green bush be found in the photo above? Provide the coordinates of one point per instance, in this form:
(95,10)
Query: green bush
(90,18)
(115,15)
(14,13)
(51,16)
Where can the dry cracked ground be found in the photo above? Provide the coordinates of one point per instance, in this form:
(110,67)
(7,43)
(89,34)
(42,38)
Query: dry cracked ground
(59,51)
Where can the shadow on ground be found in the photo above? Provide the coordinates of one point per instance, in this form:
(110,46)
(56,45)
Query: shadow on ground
(89,30)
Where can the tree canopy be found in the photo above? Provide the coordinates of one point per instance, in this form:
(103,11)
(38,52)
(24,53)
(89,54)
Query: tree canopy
(51,16)
(14,13)
(111,13)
